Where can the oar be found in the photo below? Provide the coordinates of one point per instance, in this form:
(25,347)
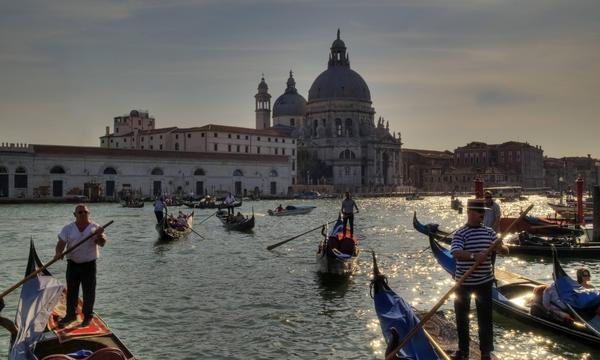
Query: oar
(30,276)
(442,239)
(458,283)
(208,217)
(271,247)
(194,231)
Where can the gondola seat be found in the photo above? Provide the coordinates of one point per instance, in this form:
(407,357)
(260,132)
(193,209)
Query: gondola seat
(347,246)
(109,353)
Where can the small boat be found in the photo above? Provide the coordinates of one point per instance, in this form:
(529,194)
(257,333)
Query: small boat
(210,203)
(513,296)
(172,228)
(42,302)
(525,244)
(456,204)
(414,196)
(292,210)
(337,255)
(397,318)
(138,203)
(539,226)
(243,223)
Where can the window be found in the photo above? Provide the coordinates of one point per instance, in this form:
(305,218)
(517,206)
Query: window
(151,147)
(229,147)
(229,136)
(176,146)
(237,136)
(338,127)
(246,137)
(157,171)
(293,141)
(189,135)
(199,172)
(160,147)
(201,134)
(258,149)
(283,151)
(258,138)
(293,152)
(294,166)
(238,172)
(347,155)
(56,170)
(283,140)
(269,139)
(348,127)
(216,147)
(276,151)
(176,136)
(142,139)
(273,173)
(142,147)
(20,178)
(246,148)
(160,137)
(102,141)
(151,137)
(292,122)
(110,171)
(238,148)
(215,135)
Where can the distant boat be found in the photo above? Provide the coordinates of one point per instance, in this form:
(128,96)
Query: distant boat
(292,210)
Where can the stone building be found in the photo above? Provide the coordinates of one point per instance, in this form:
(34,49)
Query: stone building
(339,143)
(54,172)
(428,170)
(561,173)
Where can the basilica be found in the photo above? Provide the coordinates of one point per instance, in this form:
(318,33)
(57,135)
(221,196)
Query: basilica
(339,142)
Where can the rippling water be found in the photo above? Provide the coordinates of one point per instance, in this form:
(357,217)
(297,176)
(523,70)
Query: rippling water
(227,297)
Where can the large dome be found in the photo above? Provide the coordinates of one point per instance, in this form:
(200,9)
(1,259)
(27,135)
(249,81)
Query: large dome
(339,81)
(290,103)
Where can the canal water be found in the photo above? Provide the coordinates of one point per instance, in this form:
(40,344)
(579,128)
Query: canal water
(227,297)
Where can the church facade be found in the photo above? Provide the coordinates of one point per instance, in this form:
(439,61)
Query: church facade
(339,142)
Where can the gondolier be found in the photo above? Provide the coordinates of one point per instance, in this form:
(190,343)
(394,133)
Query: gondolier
(81,263)
(229,202)
(469,245)
(159,207)
(493,212)
(348,206)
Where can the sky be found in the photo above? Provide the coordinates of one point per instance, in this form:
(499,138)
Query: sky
(442,72)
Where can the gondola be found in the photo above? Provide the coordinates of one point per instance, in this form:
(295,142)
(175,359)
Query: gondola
(397,319)
(337,255)
(168,232)
(526,244)
(292,210)
(581,302)
(132,204)
(539,226)
(231,223)
(42,302)
(203,204)
(512,296)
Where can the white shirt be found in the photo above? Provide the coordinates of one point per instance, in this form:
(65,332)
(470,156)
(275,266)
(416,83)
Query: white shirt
(71,235)
(229,200)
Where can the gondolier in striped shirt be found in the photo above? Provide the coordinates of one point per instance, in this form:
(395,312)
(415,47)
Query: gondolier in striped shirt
(469,244)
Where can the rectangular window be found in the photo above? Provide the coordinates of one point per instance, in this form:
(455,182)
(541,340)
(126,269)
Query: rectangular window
(216,135)
(216,147)
(201,134)
(142,140)
(229,148)
(161,136)
(151,137)
(238,148)
(246,149)
(160,147)
(276,151)
(20,181)
(283,140)
(246,137)
(238,136)
(293,166)
(293,141)
(229,136)
(142,147)
(269,139)
(276,140)
(283,151)
(176,136)
(189,135)
(258,138)
(293,152)
(258,149)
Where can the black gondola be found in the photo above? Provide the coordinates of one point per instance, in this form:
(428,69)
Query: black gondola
(234,223)
(513,296)
(527,244)
(37,298)
(337,255)
(169,230)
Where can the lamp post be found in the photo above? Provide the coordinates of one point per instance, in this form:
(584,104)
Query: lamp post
(560,188)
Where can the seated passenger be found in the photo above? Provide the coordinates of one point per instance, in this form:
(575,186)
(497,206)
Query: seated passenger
(583,278)
(279,208)
(555,306)
(239,217)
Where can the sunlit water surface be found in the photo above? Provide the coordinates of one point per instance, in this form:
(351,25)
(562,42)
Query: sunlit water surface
(227,297)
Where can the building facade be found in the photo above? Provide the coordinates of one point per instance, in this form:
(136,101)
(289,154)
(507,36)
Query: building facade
(48,171)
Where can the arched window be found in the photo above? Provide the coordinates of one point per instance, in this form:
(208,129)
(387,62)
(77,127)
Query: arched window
(3,170)
(157,171)
(273,173)
(20,178)
(348,127)
(238,172)
(347,155)
(199,172)
(57,170)
(338,127)
(110,171)
(315,126)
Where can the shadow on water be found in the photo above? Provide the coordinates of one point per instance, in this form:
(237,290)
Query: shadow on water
(333,286)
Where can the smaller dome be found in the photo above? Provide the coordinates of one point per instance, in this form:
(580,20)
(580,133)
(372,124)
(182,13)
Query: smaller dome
(262,86)
(338,44)
(134,113)
(290,103)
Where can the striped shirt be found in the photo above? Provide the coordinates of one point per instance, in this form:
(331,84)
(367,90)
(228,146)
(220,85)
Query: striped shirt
(473,240)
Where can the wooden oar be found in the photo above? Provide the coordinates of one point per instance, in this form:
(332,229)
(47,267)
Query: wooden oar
(271,247)
(208,217)
(458,283)
(442,239)
(30,276)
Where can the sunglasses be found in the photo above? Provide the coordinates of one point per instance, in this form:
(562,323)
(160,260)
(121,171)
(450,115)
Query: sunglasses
(83,212)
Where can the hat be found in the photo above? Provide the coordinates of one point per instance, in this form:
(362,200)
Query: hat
(487,193)
(476,204)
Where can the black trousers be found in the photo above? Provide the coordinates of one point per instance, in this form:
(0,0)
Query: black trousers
(83,274)
(159,216)
(483,302)
(230,210)
(349,218)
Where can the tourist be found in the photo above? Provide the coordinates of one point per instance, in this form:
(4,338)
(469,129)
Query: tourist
(584,277)
(81,263)
(469,245)
(279,208)
(348,206)
(555,307)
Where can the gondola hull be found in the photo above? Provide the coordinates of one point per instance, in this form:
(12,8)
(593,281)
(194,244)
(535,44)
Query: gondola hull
(292,210)
(246,224)
(337,255)
(543,247)
(335,265)
(167,232)
(510,297)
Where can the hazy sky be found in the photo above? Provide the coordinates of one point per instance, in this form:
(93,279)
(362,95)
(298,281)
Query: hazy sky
(443,73)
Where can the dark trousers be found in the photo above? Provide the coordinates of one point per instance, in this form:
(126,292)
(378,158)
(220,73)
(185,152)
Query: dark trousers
(483,302)
(349,218)
(159,216)
(230,210)
(83,274)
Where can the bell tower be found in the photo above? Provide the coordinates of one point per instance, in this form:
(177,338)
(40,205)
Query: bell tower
(263,105)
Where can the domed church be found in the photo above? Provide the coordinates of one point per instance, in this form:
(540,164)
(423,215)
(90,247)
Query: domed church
(338,140)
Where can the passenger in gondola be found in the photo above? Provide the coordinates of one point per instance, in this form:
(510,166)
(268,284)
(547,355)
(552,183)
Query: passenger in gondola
(239,217)
(279,208)
(555,307)
(583,277)
(181,221)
